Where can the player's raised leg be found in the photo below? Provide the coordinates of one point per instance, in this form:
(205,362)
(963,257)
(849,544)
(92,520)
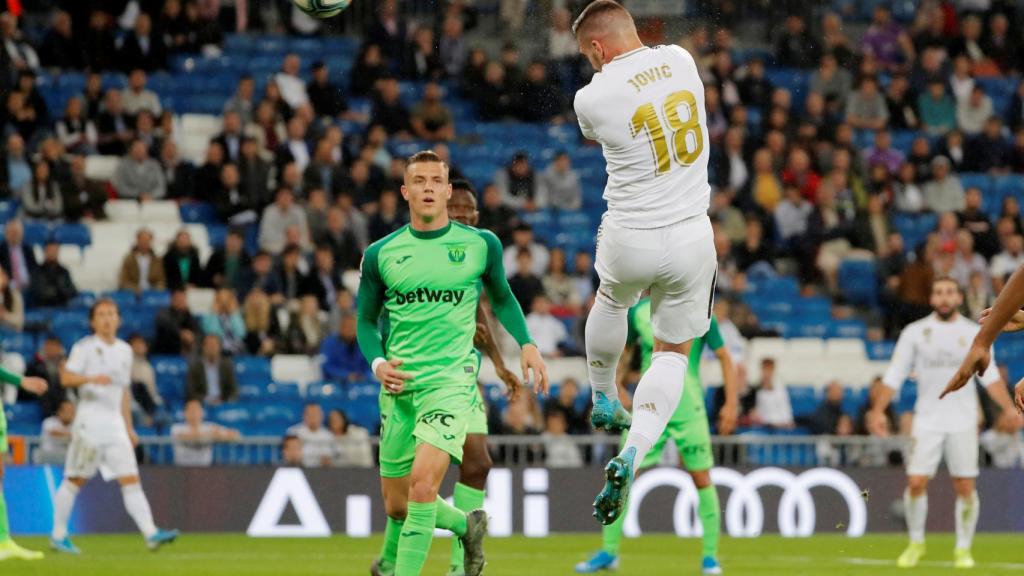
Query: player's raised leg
(9,549)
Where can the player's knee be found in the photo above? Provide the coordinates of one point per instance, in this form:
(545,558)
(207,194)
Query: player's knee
(423,490)
(78,482)
(128,480)
(395,510)
(917,485)
(701,479)
(963,487)
(473,472)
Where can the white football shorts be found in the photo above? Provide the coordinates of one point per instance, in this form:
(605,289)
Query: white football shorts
(111,459)
(677,262)
(959,448)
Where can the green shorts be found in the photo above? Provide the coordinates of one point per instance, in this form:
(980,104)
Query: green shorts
(692,438)
(436,416)
(3,432)
(478,415)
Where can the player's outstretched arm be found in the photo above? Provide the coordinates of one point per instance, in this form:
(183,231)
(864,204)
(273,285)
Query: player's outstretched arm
(508,312)
(370,301)
(32,384)
(484,339)
(1015,324)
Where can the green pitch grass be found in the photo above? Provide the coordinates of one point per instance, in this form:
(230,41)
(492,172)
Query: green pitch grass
(230,555)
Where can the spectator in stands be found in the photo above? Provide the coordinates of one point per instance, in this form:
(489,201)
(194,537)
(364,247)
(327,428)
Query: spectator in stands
(351,443)
(369,68)
(176,327)
(522,417)
(182,267)
(753,254)
(147,403)
(832,82)
(139,176)
(497,216)
(539,99)
(886,42)
(559,287)
(136,97)
(19,117)
(549,332)
(559,450)
(254,173)
(233,205)
(194,438)
(558,186)
(292,273)
(230,137)
(268,128)
(976,222)
(92,95)
(879,429)
(100,42)
(60,50)
(243,102)
(211,377)
(230,263)
(773,408)
(47,365)
(883,153)
(953,147)
(225,321)
(585,276)
(388,218)
(902,108)
(565,402)
(147,132)
(56,435)
(278,217)
(431,120)
(1000,46)
(263,277)
(324,280)
(829,418)
(141,48)
(262,329)
(323,171)
(17,258)
(84,197)
(291,452)
(341,240)
(295,148)
(421,61)
(1007,262)
(76,132)
(141,269)
(989,151)
(343,362)
(517,183)
(317,441)
(792,216)
(388,110)
(51,283)
(943,193)
(42,198)
(494,95)
(307,328)
(12,307)
(866,108)
(961,82)
(522,239)
(937,109)
(453,49)
(796,47)
(974,111)
(327,99)
(207,177)
(524,282)
(18,169)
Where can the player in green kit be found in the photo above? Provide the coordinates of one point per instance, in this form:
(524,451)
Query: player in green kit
(476,459)
(688,428)
(423,281)
(9,550)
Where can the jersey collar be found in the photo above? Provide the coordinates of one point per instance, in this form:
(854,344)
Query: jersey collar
(430,234)
(625,55)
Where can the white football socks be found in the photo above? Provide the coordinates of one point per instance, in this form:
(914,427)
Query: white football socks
(967,511)
(63,504)
(654,402)
(917,514)
(605,338)
(138,508)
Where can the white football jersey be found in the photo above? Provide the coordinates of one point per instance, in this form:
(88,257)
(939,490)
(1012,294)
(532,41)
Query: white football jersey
(646,108)
(99,416)
(932,351)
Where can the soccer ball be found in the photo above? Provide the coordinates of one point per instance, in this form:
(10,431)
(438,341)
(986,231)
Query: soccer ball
(322,8)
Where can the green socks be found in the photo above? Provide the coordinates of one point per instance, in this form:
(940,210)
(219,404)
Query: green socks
(389,551)
(710,518)
(5,533)
(611,534)
(466,499)
(417,535)
(449,517)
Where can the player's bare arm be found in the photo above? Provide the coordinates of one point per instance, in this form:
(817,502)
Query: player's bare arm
(1018,396)
(1007,305)
(34,384)
(730,409)
(1009,418)
(70,379)
(876,418)
(1014,324)
(126,413)
(484,340)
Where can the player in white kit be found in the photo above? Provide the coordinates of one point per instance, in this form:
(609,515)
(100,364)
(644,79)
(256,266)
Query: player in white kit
(646,107)
(931,349)
(102,435)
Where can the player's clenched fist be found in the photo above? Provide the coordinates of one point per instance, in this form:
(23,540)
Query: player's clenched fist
(391,377)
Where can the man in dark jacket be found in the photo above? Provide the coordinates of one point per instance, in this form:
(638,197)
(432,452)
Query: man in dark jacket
(141,48)
(51,283)
(229,264)
(181,263)
(211,377)
(340,240)
(176,327)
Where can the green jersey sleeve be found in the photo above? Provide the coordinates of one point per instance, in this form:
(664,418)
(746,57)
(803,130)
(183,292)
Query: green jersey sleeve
(370,301)
(504,304)
(8,377)
(714,338)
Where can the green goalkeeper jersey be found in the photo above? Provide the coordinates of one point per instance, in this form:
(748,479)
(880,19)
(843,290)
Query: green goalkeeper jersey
(423,288)
(642,332)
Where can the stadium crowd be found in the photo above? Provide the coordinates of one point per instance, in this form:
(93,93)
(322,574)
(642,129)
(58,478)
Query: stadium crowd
(899,121)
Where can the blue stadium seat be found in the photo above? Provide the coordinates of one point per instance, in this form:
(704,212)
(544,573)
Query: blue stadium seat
(324,390)
(858,280)
(70,320)
(199,213)
(853,400)
(30,411)
(848,328)
(84,299)
(230,414)
(36,233)
(250,393)
(123,298)
(253,370)
(800,327)
(155,298)
(880,350)
(286,391)
(23,343)
(803,399)
(908,396)
(74,234)
(8,210)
